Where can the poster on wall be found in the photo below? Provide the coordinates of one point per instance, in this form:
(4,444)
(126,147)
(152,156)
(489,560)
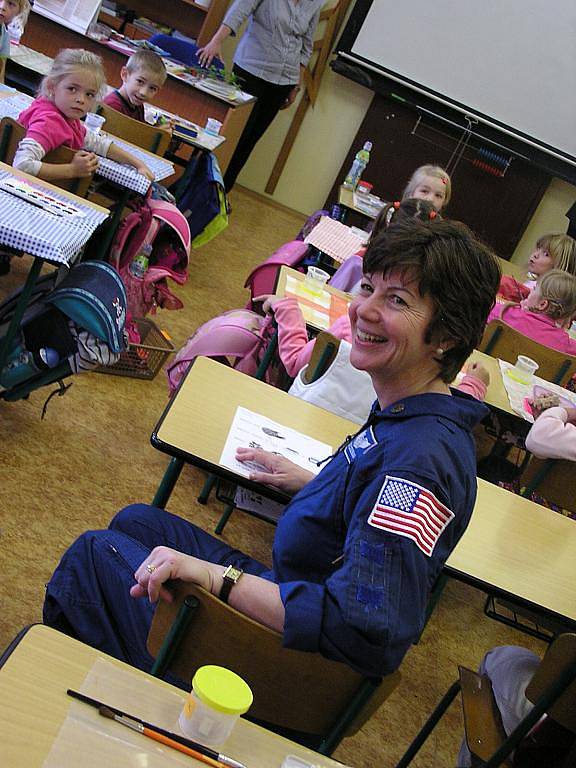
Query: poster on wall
(78,15)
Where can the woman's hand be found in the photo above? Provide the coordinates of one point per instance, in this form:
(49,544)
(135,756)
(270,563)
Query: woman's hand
(163,564)
(83,164)
(291,98)
(145,171)
(280,472)
(269,301)
(211,51)
(479,371)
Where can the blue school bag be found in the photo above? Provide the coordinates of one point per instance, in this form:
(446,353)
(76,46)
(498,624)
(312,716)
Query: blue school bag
(201,197)
(91,296)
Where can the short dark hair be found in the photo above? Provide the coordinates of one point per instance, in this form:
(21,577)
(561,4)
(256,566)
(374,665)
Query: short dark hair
(458,272)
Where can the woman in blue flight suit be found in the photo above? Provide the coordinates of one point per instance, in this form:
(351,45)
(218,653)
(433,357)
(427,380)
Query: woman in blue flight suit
(360,545)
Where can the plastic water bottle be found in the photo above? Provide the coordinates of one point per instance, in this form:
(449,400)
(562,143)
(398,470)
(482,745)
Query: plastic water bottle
(358,166)
(140,262)
(23,365)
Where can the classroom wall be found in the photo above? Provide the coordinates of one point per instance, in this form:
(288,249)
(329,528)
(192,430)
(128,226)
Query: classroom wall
(325,138)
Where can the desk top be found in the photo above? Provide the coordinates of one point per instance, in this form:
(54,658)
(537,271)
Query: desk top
(31,59)
(319,312)
(54,238)
(34,706)
(197,420)
(520,549)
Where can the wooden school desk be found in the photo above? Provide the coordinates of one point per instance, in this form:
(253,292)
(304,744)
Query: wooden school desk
(319,312)
(34,705)
(196,421)
(516,548)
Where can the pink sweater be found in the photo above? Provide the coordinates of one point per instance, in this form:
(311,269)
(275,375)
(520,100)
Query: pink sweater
(537,326)
(550,437)
(47,125)
(295,349)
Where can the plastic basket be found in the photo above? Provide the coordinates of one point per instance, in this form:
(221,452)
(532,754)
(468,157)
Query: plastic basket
(143,360)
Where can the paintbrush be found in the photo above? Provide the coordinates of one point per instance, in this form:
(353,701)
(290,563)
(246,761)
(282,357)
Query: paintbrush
(203,752)
(159,737)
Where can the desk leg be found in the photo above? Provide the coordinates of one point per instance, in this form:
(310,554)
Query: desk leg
(167,484)
(6,342)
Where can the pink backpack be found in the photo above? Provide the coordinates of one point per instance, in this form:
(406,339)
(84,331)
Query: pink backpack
(161,225)
(262,279)
(237,338)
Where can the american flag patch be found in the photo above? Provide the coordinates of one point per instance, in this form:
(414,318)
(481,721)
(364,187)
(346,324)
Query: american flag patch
(410,510)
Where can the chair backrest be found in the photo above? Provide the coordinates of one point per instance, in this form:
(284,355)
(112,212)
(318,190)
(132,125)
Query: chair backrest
(292,689)
(559,660)
(554,479)
(323,354)
(503,341)
(12,133)
(148,137)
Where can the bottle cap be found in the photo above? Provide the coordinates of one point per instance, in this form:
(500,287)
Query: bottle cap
(368,146)
(222,689)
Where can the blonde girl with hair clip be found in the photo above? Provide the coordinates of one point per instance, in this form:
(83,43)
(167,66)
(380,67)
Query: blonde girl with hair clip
(9,11)
(54,119)
(545,314)
(430,182)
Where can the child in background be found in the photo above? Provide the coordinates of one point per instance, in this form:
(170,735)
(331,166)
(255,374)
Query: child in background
(430,182)
(554,251)
(142,78)
(9,10)
(553,434)
(546,313)
(54,118)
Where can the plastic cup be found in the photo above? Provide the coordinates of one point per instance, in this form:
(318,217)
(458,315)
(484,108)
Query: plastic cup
(94,122)
(524,370)
(315,280)
(216,701)
(213,126)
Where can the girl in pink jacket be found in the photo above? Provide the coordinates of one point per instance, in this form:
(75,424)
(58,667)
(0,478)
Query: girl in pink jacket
(546,313)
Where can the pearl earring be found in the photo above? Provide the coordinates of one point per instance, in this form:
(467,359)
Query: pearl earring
(440,351)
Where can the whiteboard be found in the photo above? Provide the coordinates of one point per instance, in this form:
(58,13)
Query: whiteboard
(511,61)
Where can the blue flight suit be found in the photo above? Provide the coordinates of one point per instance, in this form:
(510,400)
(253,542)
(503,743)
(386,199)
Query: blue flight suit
(353,568)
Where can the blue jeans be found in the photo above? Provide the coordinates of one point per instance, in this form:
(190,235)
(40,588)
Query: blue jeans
(88,594)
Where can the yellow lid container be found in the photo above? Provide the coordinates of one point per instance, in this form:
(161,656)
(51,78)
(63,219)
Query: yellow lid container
(222,690)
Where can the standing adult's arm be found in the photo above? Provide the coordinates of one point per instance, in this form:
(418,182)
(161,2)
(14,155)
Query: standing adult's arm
(233,20)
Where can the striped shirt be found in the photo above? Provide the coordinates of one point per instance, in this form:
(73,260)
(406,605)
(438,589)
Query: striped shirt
(278,39)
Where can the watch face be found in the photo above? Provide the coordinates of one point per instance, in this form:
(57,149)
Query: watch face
(232,573)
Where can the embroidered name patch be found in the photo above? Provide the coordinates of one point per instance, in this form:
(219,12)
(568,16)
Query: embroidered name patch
(409,510)
(361,444)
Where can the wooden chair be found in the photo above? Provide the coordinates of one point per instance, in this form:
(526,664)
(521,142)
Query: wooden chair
(554,479)
(153,139)
(12,133)
(552,690)
(303,692)
(503,341)
(323,354)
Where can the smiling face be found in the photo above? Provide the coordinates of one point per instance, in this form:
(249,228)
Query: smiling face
(433,189)
(75,94)
(9,9)
(139,87)
(540,262)
(389,322)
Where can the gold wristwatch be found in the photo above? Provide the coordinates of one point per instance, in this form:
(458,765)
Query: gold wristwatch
(230,578)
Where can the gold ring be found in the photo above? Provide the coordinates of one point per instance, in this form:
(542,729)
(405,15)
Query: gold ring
(150,568)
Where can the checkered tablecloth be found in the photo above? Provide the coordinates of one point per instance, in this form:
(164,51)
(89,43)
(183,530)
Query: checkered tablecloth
(12,105)
(126,176)
(335,239)
(31,229)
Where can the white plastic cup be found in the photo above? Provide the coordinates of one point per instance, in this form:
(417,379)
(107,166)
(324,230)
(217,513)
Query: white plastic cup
(213,126)
(315,280)
(216,701)
(524,370)
(94,122)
